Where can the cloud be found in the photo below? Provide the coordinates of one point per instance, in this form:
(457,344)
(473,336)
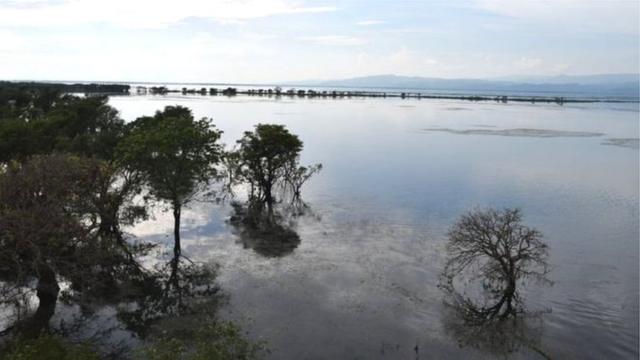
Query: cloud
(339,40)
(10,41)
(370,22)
(143,13)
(619,16)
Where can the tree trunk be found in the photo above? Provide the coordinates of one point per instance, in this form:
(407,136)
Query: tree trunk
(47,293)
(269,200)
(509,294)
(177,250)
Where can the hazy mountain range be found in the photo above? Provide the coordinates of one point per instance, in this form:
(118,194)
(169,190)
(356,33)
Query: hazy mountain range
(626,85)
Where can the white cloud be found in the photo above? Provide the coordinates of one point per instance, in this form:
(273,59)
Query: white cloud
(340,40)
(144,13)
(612,16)
(370,22)
(10,41)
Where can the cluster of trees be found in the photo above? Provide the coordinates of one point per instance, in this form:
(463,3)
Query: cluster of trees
(72,174)
(30,86)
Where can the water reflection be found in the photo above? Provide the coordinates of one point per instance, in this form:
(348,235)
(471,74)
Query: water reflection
(498,339)
(269,236)
(179,289)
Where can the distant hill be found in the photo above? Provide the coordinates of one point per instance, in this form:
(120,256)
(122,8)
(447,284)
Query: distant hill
(625,85)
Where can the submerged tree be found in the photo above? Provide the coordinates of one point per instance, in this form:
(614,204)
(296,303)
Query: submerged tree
(49,232)
(494,248)
(176,156)
(212,339)
(268,160)
(266,155)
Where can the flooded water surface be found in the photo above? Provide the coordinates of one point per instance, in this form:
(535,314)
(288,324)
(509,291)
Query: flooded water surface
(362,282)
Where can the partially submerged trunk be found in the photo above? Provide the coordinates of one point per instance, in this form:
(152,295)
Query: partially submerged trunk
(268,198)
(47,293)
(177,250)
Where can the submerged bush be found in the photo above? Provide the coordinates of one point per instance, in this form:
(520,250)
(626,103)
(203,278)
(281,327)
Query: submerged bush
(215,341)
(50,347)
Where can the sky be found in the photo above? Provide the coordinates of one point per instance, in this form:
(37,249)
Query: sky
(270,41)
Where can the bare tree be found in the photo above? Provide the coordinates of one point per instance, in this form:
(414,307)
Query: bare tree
(296,177)
(491,248)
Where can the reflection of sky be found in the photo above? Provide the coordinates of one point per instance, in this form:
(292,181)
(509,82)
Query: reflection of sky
(388,192)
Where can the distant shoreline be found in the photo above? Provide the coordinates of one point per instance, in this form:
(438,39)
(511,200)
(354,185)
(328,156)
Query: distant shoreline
(125,89)
(355,93)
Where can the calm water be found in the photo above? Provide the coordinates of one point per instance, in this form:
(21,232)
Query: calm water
(362,283)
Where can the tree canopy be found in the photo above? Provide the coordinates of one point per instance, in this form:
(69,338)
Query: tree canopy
(266,155)
(42,123)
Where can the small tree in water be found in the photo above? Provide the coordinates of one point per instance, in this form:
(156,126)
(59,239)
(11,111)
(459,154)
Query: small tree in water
(176,155)
(267,160)
(268,156)
(494,247)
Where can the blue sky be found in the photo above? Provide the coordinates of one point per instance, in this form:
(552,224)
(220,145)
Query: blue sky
(254,41)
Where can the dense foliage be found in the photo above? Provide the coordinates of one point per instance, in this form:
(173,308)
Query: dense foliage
(58,220)
(266,154)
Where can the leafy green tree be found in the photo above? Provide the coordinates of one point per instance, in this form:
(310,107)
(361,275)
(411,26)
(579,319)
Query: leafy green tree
(84,126)
(176,156)
(266,154)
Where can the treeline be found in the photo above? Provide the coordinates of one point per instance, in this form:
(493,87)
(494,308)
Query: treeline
(73,174)
(32,86)
(342,94)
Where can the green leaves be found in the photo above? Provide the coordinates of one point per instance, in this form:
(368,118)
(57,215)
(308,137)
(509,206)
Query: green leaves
(175,153)
(266,154)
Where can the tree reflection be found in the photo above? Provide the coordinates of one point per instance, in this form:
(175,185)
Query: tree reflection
(500,338)
(179,289)
(267,234)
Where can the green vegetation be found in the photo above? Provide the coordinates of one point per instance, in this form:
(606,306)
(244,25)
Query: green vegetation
(176,156)
(71,175)
(214,341)
(266,155)
(268,159)
(50,347)
(50,226)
